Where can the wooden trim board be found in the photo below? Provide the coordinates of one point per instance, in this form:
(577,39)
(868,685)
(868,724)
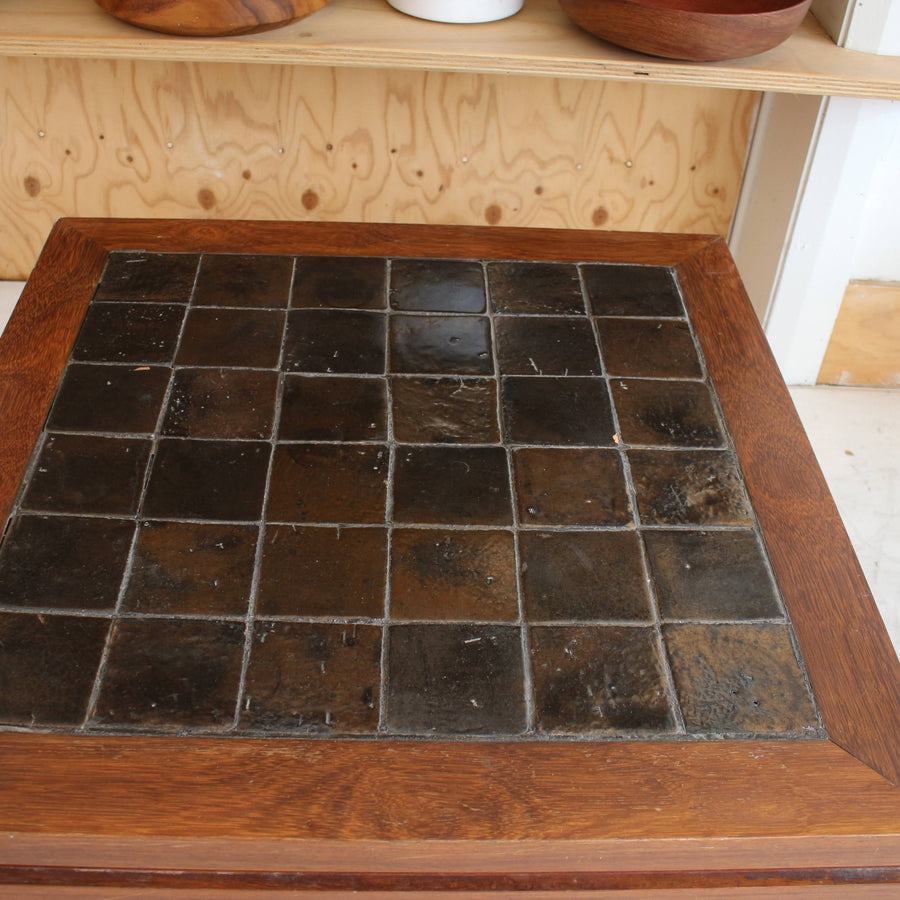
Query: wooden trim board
(273,815)
(864,348)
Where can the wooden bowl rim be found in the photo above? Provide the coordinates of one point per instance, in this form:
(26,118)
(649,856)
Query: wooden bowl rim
(754,8)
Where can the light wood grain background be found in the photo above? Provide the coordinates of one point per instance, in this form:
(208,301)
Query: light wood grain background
(226,140)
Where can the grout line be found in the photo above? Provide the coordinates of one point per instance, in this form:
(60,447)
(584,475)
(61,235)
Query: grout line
(522,620)
(91,709)
(250,618)
(652,600)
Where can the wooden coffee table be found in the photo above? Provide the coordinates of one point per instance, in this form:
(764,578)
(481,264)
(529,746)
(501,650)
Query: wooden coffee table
(362,558)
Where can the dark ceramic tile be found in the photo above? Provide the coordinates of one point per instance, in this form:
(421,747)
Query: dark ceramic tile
(190,568)
(123,399)
(47,667)
(711,575)
(570,487)
(222,403)
(738,678)
(127,332)
(322,408)
(207,480)
(169,673)
(335,341)
(597,679)
(140,277)
(531,345)
(326,572)
(452,486)
(445,410)
(455,679)
(535,287)
(231,337)
(689,487)
(244,280)
(85,474)
(453,575)
(437,285)
(583,576)
(64,562)
(648,348)
(626,290)
(668,413)
(557,411)
(328,483)
(448,345)
(339,283)
(313,678)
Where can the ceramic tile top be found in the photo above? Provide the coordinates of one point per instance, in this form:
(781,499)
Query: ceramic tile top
(390,498)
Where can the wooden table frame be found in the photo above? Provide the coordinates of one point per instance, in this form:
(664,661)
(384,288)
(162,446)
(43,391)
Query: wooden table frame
(104,816)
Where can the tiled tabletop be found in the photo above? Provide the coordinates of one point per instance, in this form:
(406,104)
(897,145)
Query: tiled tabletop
(393,498)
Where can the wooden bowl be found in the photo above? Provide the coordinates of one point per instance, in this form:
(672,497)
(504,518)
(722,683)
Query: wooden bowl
(210,17)
(699,30)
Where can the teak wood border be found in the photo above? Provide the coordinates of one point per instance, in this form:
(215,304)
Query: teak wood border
(248,816)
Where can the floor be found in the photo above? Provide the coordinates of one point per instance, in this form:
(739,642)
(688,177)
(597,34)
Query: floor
(852,431)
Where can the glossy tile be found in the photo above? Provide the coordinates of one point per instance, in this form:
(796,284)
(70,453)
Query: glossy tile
(134,276)
(84,474)
(171,674)
(335,342)
(327,572)
(192,568)
(535,288)
(703,575)
(455,679)
(129,332)
(557,411)
(64,562)
(648,348)
(123,399)
(221,403)
(325,408)
(447,575)
(313,679)
(437,285)
(441,345)
(597,679)
(328,483)
(738,678)
(548,345)
(583,576)
(47,668)
(689,487)
(666,413)
(445,410)
(631,290)
(231,337)
(192,479)
(452,485)
(252,280)
(570,486)
(339,283)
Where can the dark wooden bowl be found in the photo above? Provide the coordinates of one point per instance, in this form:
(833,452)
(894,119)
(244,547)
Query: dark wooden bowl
(699,30)
(210,17)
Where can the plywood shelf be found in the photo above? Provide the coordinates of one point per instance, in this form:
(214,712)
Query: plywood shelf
(540,40)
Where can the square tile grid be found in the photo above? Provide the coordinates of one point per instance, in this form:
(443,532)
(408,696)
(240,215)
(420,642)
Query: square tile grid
(391,498)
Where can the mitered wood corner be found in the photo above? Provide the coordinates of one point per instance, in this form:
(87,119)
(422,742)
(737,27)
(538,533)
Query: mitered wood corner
(115,814)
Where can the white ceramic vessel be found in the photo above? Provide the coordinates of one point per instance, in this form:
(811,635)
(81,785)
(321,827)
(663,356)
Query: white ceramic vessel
(458,11)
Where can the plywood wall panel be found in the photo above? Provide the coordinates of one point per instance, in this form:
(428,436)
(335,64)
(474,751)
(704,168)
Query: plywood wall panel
(140,138)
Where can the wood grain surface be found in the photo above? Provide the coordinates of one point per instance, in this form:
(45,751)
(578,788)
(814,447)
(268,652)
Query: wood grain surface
(157,139)
(538,41)
(864,348)
(210,17)
(338,816)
